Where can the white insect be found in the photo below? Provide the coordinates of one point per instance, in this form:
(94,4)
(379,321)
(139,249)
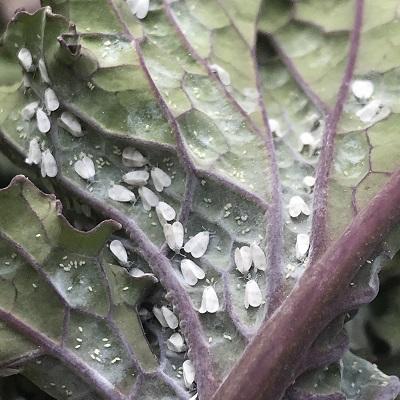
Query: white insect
(275,127)
(191,272)
(170,318)
(140,8)
(223,75)
(160,317)
(25,58)
(374,111)
(243,259)
(362,89)
(307,139)
(197,245)
(136,272)
(160,179)
(302,245)
(252,294)
(29,110)
(121,193)
(34,153)
(43,71)
(176,343)
(188,373)
(258,257)
(42,120)
(165,212)
(309,181)
(85,168)
(209,301)
(51,100)
(297,206)
(174,235)
(48,166)
(136,178)
(71,124)
(119,251)
(195,397)
(148,197)
(133,158)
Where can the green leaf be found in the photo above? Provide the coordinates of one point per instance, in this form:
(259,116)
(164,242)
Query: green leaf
(68,317)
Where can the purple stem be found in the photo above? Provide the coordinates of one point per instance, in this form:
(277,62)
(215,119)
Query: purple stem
(312,304)
(318,235)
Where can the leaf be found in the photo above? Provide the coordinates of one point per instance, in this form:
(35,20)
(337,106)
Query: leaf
(182,87)
(66,315)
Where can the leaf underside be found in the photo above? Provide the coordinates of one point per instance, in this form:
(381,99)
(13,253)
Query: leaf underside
(236,154)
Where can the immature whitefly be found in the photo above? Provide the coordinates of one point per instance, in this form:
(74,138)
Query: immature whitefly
(71,124)
(121,193)
(362,89)
(174,235)
(302,245)
(48,166)
(160,317)
(176,343)
(140,8)
(188,373)
(43,71)
(165,212)
(309,181)
(297,206)
(148,197)
(243,259)
(51,100)
(197,245)
(29,110)
(34,153)
(43,121)
(209,301)
(191,272)
(170,318)
(136,178)
(223,75)
(133,158)
(258,257)
(252,294)
(160,179)
(85,168)
(119,251)
(25,58)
